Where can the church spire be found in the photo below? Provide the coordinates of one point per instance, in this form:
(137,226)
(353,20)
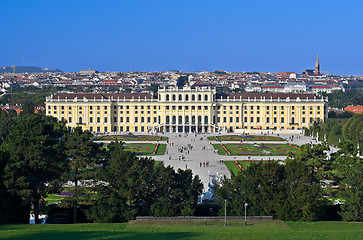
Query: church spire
(317,65)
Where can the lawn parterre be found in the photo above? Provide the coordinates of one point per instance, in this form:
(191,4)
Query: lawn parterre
(238,165)
(234,149)
(250,138)
(181,229)
(124,138)
(146,148)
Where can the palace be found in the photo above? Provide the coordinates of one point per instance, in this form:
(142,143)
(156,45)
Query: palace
(186,109)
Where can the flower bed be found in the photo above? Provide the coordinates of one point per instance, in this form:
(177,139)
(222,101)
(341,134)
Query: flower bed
(256,138)
(235,149)
(130,138)
(225,149)
(156,148)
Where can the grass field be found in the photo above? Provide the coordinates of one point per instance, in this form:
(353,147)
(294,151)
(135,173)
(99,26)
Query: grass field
(232,166)
(256,138)
(143,138)
(145,148)
(182,229)
(255,149)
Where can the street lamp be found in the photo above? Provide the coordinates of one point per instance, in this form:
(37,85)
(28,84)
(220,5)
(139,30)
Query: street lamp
(246,214)
(225,212)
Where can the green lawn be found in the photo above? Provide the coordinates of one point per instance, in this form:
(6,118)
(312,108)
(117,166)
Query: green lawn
(251,138)
(123,138)
(145,148)
(53,199)
(181,229)
(256,149)
(232,166)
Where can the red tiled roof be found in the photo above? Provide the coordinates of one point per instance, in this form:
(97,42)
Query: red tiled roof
(302,96)
(102,95)
(354,109)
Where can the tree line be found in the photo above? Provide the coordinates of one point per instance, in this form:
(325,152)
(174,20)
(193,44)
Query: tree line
(39,155)
(293,190)
(337,130)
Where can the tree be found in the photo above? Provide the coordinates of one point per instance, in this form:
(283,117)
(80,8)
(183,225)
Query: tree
(83,155)
(12,208)
(133,186)
(124,184)
(303,195)
(36,158)
(176,193)
(314,156)
(351,187)
(283,191)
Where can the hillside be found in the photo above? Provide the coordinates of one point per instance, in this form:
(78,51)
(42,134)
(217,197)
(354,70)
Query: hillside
(28,69)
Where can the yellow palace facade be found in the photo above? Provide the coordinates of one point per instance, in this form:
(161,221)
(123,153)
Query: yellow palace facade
(186,109)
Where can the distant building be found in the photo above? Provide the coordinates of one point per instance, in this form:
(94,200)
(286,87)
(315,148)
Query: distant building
(17,108)
(316,71)
(317,65)
(88,72)
(354,109)
(253,88)
(272,88)
(295,87)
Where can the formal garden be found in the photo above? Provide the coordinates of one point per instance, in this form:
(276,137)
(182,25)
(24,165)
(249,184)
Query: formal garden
(144,149)
(238,165)
(261,149)
(250,138)
(131,138)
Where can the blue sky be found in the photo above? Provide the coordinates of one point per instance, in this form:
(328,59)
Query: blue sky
(135,35)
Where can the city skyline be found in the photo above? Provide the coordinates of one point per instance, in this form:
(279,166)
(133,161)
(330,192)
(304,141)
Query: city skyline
(189,36)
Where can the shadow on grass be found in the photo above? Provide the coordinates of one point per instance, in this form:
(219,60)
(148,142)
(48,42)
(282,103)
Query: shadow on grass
(93,235)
